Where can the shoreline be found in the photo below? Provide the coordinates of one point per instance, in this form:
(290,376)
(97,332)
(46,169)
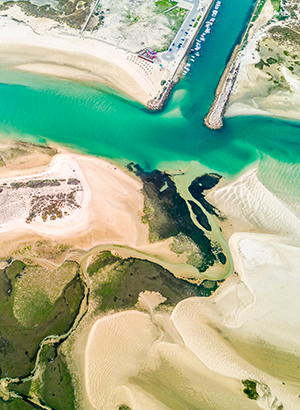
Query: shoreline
(70,56)
(105,212)
(40,45)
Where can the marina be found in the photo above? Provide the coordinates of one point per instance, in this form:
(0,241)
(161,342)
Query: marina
(195,51)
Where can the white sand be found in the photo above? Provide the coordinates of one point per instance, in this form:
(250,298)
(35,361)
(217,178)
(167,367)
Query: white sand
(125,345)
(249,203)
(110,207)
(109,363)
(13,215)
(41,46)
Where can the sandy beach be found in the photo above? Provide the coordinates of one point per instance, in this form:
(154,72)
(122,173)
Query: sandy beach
(41,46)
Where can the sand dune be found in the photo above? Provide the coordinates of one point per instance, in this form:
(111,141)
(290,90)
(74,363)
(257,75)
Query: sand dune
(132,361)
(117,348)
(247,202)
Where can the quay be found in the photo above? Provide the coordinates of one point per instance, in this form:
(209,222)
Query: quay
(172,58)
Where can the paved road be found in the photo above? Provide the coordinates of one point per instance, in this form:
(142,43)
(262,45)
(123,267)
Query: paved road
(172,57)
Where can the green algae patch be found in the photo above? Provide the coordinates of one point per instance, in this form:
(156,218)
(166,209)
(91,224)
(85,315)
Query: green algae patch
(117,285)
(167,213)
(250,389)
(19,343)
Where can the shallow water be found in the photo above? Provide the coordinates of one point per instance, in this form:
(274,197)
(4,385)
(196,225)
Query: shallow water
(93,119)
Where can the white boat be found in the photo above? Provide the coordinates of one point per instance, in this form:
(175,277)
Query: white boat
(197,54)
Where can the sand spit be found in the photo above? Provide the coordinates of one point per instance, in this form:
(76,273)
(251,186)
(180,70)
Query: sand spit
(108,203)
(42,46)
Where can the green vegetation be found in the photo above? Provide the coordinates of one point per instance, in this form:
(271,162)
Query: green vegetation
(176,18)
(13,153)
(132,18)
(103,259)
(18,343)
(43,249)
(258,10)
(57,389)
(124,407)
(117,285)
(276,5)
(164,5)
(271,60)
(2,163)
(283,34)
(16,404)
(73,13)
(250,389)
(21,388)
(261,64)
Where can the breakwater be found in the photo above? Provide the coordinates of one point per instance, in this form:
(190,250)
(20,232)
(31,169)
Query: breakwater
(214,118)
(158,102)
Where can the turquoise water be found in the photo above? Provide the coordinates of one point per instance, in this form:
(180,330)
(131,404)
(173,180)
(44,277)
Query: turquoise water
(101,122)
